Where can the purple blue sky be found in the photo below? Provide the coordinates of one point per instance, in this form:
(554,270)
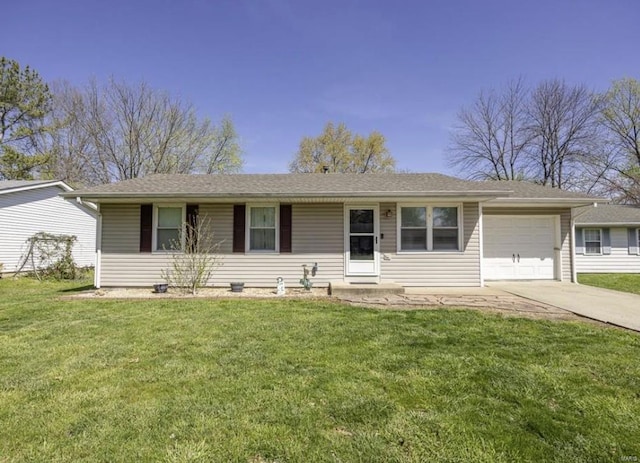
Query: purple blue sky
(283,68)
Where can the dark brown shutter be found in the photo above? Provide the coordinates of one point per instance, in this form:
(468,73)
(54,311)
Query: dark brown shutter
(146,227)
(238,227)
(192,220)
(285,227)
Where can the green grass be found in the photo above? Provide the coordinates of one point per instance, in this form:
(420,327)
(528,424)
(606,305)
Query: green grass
(627,282)
(300,381)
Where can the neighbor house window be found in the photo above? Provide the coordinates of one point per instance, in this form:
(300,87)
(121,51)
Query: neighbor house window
(262,228)
(168,227)
(429,228)
(592,241)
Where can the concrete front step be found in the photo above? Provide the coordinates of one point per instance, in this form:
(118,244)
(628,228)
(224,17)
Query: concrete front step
(340,288)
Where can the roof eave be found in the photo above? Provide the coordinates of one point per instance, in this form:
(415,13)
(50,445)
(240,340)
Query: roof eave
(174,196)
(560,202)
(36,186)
(608,224)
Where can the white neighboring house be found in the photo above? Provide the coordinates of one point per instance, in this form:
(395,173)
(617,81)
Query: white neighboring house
(608,239)
(31,206)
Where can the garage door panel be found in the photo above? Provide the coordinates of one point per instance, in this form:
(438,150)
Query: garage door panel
(518,247)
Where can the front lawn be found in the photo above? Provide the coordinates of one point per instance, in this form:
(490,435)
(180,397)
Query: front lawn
(301,381)
(627,282)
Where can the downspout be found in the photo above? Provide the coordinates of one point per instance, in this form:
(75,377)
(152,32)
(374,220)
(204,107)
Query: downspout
(480,241)
(98,266)
(574,270)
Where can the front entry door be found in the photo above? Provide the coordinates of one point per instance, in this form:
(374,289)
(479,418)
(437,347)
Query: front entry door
(361,241)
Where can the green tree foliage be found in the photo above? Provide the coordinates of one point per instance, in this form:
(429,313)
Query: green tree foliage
(24,102)
(341,151)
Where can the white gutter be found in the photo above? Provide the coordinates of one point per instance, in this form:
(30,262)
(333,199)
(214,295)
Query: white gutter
(574,270)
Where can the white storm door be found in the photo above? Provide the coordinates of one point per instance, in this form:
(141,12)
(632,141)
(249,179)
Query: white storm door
(362,255)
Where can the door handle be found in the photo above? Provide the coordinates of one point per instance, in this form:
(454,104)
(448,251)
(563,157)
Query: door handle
(376,240)
(513,257)
(518,258)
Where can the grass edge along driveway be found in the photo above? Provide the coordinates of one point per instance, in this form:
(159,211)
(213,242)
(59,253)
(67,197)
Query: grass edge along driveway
(626,282)
(288,381)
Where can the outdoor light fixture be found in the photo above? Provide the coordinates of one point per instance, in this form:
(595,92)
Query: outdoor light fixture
(388,213)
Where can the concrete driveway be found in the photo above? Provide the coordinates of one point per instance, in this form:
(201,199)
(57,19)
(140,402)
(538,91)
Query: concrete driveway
(615,307)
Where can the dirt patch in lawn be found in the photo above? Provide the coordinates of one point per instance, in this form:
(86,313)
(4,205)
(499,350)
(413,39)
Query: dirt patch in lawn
(506,304)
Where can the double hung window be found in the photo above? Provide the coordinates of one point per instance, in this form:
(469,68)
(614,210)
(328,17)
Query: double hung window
(429,228)
(168,227)
(263,230)
(592,241)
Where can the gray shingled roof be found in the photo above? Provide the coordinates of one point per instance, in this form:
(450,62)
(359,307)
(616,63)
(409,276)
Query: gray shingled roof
(609,214)
(523,189)
(309,185)
(11,184)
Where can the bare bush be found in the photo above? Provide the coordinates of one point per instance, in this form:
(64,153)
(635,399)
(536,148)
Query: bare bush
(194,257)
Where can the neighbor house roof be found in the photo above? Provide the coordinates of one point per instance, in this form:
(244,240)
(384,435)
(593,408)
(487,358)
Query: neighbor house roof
(331,185)
(10,186)
(609,214)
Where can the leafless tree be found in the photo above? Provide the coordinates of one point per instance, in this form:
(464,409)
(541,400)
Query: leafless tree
(544,135)
(119,131)
(564,131)
(68,143)
(620,162)
(491,137)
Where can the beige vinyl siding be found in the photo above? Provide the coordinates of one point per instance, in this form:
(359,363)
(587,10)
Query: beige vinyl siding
(388,225)
(619,261)
(27,212)
(317,236)
(565,229)
(120,228)
(460,268)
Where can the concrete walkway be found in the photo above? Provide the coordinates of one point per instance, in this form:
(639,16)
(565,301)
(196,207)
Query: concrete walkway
(615,307)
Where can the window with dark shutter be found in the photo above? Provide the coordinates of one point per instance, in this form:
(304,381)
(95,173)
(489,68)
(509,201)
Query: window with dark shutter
(238,227)
(285,228)
(146,227)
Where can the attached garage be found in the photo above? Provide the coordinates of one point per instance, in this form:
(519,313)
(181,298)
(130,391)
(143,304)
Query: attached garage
(521,247)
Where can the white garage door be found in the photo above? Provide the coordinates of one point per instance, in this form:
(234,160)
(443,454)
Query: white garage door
(518,247)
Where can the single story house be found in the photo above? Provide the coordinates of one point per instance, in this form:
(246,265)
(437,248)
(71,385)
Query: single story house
(608,239)
(410,229)
(31,206)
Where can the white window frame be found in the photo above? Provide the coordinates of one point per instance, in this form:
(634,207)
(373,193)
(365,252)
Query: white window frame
(584,241)
(400,228)
(247,239)
(638,239)
(154,235)
(429,207)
